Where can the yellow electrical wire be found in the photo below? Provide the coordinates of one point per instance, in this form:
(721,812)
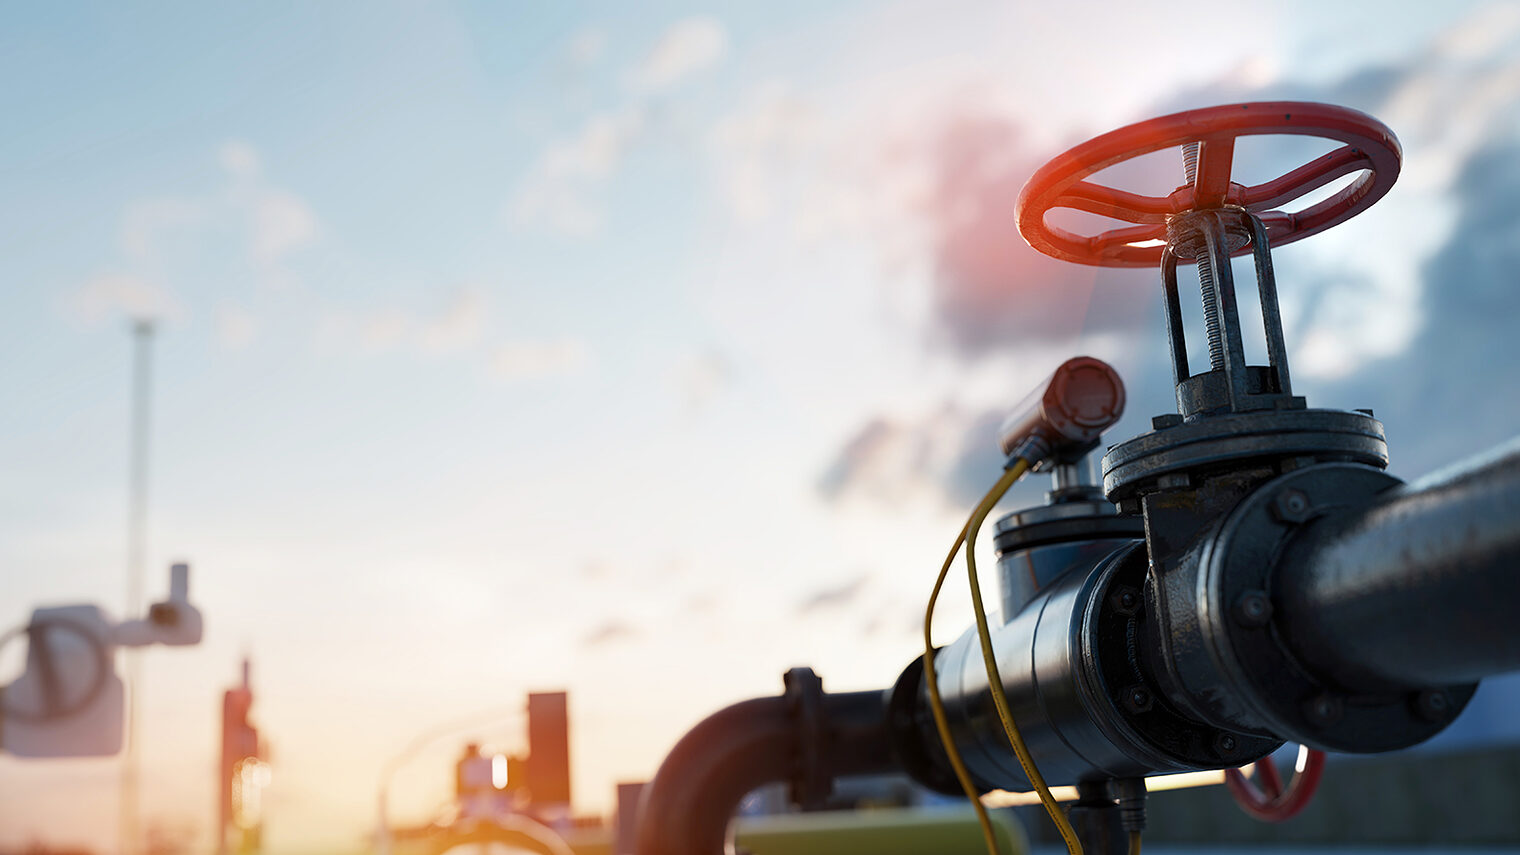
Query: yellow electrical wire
(937,703)
(931,678)
(1134,843)
(994,679)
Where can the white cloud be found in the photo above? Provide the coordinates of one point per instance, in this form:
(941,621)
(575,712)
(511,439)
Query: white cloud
(109,294)
(159,236)
(1452,100)
(558,192)
(687,47)
(275,222)
(896,461)
(533,360)
(597,149)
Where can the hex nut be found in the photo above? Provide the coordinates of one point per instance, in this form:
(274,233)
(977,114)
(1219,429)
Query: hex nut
(1225,743)
(1125,600)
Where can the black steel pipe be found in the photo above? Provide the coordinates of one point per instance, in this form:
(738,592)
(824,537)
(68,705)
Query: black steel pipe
(806,739)
(1420,589)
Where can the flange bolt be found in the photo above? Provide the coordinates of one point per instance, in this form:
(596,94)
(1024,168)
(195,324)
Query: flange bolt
(1137,699)
(1323,710)
(1432,706)
(1253,609)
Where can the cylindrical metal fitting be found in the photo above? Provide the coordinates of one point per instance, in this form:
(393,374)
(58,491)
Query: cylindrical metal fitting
(1070,410)
(1065,667)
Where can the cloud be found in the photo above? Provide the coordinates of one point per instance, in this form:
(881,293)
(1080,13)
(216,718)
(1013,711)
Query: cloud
(535,360)
(281,223)
(163,238)
(461,324)
(275,222)
(944,455)
(782,158)
(989,289)
(1450,393)
(123,294)
(609,632)
(560,191)
(773,133)
(834,597)
(931,191)
(687,47)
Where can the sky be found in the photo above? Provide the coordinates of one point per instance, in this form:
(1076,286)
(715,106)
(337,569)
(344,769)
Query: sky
(639,352)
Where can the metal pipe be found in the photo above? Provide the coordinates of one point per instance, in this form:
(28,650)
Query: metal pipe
(1067,662)
(807,738)
(1418,590)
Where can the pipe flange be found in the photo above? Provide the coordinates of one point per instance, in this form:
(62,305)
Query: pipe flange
(1063,522)
(804,701)
(906,722)
(1112,630)
(1138,466)
(1237,617)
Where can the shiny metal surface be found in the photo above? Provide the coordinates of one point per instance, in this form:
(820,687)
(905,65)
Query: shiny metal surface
(1421,589)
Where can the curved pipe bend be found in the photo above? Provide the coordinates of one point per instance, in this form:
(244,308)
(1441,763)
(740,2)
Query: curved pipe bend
(804,737)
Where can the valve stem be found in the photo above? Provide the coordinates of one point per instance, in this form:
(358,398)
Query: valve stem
(1205,272)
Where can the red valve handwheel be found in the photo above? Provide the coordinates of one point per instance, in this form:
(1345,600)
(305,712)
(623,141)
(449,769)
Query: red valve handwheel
(1369,145)
(1272,802)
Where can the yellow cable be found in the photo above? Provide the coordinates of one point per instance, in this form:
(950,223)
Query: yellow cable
(937,704)
(995,680)
(1134,843)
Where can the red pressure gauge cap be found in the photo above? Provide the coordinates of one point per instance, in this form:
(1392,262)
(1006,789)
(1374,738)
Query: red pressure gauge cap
(1069,411)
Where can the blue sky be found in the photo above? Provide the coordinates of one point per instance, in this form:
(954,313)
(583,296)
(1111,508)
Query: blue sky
(634,351)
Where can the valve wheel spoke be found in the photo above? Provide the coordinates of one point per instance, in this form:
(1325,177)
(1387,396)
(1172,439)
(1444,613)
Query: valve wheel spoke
(1215,157)
(1113,202)
(1307,178)
(1116,241)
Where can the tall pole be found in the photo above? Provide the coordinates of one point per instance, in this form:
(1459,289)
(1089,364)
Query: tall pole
(130,829)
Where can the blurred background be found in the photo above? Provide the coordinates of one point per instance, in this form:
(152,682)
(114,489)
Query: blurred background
(637,351)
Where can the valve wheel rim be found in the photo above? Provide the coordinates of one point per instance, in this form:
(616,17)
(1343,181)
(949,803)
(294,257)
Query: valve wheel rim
(1368,146)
